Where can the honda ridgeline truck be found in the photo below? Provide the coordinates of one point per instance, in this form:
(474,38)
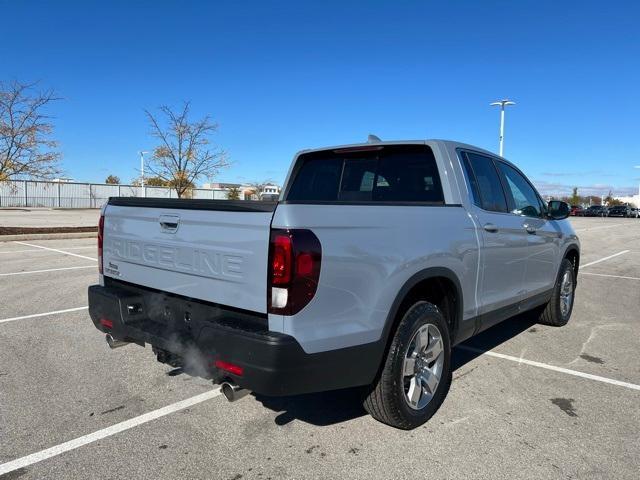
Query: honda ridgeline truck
(377,259)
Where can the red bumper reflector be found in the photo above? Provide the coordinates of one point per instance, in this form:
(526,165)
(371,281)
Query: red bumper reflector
(106,323)
(229,367)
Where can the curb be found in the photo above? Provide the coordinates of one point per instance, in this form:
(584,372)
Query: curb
(48,236)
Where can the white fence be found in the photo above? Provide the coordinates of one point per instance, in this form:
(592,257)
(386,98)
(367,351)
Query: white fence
(28,193)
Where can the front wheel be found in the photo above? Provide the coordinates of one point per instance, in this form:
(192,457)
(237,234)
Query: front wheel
(558,311)
(416,374)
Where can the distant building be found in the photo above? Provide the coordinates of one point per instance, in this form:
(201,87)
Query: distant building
(221,186)
(270,192)
(633,200)
(247,192)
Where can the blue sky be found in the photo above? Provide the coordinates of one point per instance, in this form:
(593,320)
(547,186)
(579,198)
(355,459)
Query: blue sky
(283,76)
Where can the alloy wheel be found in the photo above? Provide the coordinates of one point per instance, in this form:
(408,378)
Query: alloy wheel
(422,366)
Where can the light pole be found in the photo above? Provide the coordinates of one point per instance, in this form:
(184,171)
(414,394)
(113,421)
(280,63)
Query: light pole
(502,104)
(638,166)
(142,172)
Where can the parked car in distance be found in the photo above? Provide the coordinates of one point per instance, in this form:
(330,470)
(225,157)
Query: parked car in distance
(635,212)
(576,211)
(379,258)
(620,211)
(596,211)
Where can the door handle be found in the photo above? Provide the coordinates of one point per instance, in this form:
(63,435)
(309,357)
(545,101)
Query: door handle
(530,229)
(490,227)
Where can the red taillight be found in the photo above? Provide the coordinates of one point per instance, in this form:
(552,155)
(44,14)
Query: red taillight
(294,270)
(229,367)
(281,260)
(304,264)
(364,148)
(100,240)
(105,322)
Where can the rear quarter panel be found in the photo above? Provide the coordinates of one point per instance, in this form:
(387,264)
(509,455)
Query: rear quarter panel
(368,253)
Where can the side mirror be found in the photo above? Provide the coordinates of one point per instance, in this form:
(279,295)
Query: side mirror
(557,210)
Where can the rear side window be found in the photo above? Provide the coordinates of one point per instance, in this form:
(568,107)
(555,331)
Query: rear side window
(317,180)
(485,183)
(390,173)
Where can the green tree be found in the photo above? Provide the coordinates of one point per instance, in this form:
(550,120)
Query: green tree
(574,199)
(612,202)
(150,182)
(233,193)
(156,182)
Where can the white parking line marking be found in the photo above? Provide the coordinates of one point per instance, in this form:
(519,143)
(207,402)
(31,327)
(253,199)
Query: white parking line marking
(588,229)
(39,250)
(532,363)
(48,270)
(106,432)
(36,315)
(609,276)
(56,250)
(603,259)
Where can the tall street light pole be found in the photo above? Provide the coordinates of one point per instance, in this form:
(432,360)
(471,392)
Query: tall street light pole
(502,104)
(142,172)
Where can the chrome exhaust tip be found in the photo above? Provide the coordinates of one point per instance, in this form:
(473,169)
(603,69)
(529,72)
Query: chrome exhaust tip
(233,392)
(114,343)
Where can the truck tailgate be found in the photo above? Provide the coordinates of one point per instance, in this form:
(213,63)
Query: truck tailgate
(217,254)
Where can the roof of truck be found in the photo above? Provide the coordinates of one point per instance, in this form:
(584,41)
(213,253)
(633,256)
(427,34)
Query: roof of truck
(451,143)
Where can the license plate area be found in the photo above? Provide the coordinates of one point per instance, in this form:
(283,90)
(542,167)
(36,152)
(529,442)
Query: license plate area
(173,316)
(178,315)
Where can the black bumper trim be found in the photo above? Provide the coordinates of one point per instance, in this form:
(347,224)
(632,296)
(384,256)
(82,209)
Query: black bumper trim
(273,363)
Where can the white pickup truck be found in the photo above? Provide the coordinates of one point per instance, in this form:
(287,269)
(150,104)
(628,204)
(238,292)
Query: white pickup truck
(377,259)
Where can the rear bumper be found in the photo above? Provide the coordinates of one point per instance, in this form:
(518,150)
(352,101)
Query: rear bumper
(195,334)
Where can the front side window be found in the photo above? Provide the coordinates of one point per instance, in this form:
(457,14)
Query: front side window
(524,198)
(389,173)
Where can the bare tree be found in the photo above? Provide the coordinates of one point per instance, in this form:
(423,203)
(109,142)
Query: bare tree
(112,180)
(186,152)
(257,186)
(26,148)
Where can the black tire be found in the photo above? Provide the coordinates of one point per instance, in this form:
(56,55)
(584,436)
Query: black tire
(385,400)
(553,313)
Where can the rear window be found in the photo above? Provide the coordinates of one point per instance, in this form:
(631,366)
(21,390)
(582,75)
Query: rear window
(391,173)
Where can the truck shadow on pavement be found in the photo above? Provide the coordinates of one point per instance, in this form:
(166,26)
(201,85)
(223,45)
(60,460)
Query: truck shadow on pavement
(330,408)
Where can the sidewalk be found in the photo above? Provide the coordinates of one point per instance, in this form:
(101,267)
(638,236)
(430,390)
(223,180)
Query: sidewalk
(44,224)
(48,218)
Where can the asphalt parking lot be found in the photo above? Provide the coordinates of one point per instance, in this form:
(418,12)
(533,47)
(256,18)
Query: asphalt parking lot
(527,401)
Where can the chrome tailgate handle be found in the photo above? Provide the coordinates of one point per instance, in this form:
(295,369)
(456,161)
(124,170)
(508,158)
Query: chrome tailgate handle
(169,223)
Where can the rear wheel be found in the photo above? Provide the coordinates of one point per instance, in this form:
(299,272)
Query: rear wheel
(416,375)
(558,311)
